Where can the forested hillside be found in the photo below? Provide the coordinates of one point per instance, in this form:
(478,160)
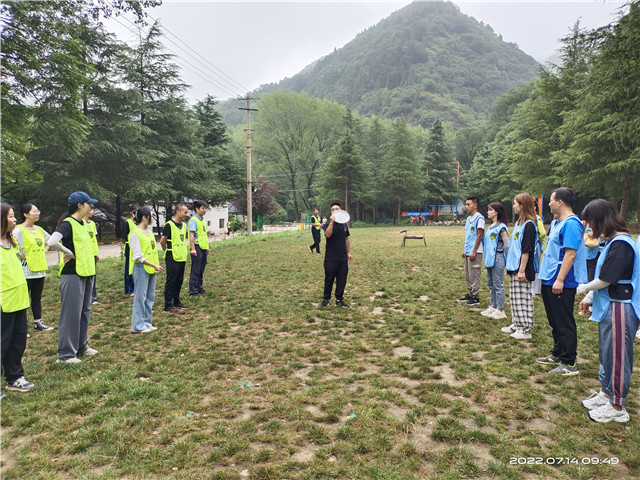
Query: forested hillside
(424,61)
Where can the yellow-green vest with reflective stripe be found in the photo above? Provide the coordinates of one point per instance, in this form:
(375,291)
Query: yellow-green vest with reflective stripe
(34,248)
(14,294)
(132,227)
(91,228)
(201,230)
(179,247)
(83,250)
(149,250)
(315,219)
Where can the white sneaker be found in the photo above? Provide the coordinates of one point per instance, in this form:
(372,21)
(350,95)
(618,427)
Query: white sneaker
(638,334)
(520,334)
(69,360)
(498,314)
(510,329)
(487,311)
(606,413)
(90,352)
(594,401)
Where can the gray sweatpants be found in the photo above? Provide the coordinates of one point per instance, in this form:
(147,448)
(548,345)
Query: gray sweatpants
(75,313)
(472,272)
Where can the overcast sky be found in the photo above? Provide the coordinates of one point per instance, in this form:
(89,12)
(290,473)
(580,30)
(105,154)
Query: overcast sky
(228,48)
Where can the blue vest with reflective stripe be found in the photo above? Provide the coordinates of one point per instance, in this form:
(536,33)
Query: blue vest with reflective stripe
(515,249)
(551,257)
(601,298)
(470,234)
(490,240)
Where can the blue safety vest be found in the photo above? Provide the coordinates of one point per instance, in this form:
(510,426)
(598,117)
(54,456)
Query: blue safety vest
(551,258)
(490,243)
(601,298)
(515,249)
(591,253)
(471,233)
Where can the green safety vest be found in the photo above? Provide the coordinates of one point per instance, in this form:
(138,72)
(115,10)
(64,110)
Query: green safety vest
(34,248)
(132,227)
(83,250)
(149,250)
(314,219)
(201,230)
(91,228)
(179,247)
(14,294)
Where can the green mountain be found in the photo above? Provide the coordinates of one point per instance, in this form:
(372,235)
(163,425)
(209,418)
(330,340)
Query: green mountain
(426,60)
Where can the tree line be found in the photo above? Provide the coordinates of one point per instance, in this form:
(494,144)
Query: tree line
(84,111)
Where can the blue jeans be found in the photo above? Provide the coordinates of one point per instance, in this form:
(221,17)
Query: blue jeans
(495,282)
(143,298)
(617,333)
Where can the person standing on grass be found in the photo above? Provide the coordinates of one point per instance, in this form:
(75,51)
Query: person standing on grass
(93,233)
(77,275)
(336,258)
(32,243)
(472,252)
(316,226)
(144,263)
(14,301)
(496,247)
(127,228)
(563,268)
(522,262)
(174,244)
(615,296)
(199,242)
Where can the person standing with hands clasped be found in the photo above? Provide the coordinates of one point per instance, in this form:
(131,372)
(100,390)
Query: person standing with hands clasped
(615,296)
(522,261)
(174,243)
(14,300)
(496,247)
(199,243)
(472,252)
(32,242)
(77,273)
(127,228)
(144,264)
(336,258)
(563,268)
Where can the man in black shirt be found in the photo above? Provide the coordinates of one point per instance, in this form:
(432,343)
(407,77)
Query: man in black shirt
(173,242)
(315,231)
(336,258)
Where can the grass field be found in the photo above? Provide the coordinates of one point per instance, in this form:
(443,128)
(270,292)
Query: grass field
(255,381)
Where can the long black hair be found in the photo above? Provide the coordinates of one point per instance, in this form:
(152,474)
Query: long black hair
(603,218)
(143,212)
(4,231)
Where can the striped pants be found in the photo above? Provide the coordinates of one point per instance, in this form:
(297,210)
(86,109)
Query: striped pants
(521,301)
(617,333)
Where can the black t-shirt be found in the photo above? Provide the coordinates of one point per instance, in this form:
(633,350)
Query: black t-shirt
(66,230)
(336,248)
(618,266)
(125,235)
(166,232)
(529,240)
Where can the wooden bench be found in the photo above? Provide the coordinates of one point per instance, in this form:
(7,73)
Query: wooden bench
(412,237)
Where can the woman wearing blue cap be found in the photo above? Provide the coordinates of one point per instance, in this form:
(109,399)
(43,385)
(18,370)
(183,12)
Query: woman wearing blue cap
(77,273)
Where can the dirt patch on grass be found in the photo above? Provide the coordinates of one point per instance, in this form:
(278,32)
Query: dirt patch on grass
(377,311)
(305,454)
(402,352)
(423,298)
(447,375)
(398,413)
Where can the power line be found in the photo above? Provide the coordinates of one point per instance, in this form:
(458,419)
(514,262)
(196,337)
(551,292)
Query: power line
(238,84)
(179,59)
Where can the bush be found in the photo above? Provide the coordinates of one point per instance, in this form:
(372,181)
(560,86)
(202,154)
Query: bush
(279,216)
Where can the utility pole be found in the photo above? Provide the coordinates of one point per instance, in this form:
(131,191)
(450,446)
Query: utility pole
(249,184)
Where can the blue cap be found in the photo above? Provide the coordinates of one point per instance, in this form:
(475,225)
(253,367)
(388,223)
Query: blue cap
(80,197)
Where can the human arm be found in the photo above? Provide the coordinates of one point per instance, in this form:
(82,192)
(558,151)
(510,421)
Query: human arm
(329,230)
(505,241)
(472,255)
(17,234)
(348,246)
(55,242)
(586,303)
(565,267)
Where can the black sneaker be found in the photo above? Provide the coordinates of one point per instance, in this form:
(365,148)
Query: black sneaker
(38,326)
(473,301)
(324,303)
(311,249)
(550,360)
(340,303)
(464,299)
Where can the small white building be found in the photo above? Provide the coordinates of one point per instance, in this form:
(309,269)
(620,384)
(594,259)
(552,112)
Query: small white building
(216,218)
